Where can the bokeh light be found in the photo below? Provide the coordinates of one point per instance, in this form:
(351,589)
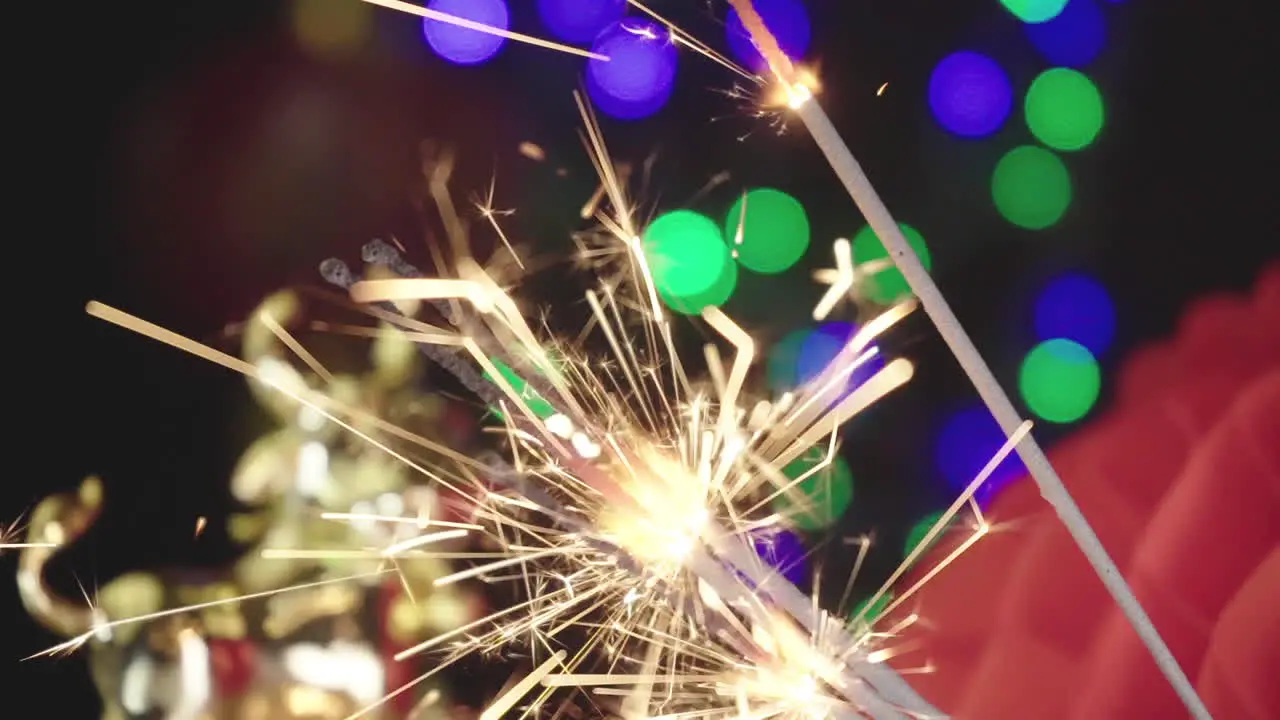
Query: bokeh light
(580,21)
(1074,38)
(538,405)
(969,439)
(774,230)
(918,532)
(970,94)
(782,368)
(1064,109)
(717,294)
(866,613)
(1031,187)
(783,551)
(1034,11)
(1076,307)
(885,285)
(786,19)
(464,46)
(821,347)
(821,499)
(331,27)
(1059,380)
(685,253)
(640,74)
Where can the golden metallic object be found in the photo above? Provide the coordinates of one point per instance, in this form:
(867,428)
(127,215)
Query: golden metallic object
(323,651)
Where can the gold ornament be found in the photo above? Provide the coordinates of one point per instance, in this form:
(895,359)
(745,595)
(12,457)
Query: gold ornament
(321,651)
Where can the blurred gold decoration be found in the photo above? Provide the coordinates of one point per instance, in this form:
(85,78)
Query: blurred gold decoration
(321,650)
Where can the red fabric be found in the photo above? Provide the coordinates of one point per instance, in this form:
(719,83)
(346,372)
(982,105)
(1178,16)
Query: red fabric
(1181,481)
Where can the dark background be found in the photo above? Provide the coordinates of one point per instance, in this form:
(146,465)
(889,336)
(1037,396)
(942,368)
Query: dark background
(181,160)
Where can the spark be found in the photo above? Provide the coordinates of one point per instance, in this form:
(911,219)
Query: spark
(103,627)
(841,283)
(532,151)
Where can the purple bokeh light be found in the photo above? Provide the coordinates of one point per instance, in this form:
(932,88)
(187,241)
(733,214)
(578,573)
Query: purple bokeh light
(464,46)
(640,74)
(970,94)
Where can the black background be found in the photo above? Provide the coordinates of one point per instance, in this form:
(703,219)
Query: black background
(145,156)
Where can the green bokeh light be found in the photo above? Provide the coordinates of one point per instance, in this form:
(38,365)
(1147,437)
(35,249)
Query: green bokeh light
(685,253)
(1059,381)
(1031,187)
(1064,109)
(887,285)
(782,370)
(775,231)
(719,293)
(1034,11)
(538,404)
(819,500)
(919,530)
(869,615)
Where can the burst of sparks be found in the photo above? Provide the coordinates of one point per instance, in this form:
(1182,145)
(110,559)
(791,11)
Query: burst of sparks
(626,511)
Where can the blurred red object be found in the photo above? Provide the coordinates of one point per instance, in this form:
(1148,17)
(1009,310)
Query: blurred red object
(1181,480)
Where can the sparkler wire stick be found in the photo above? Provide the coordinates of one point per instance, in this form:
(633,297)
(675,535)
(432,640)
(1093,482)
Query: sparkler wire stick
(862,193)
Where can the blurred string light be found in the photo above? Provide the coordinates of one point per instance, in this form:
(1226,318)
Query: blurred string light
(768,230)
(785,552)
(880,280)
(689,261)
(1076,307)
(821,346)
(967,442)
(464,46)
(1031,187)
(1072,39)
(639,76)
(782,366)
(970,94)
(580,21)
(1059,380)
(330,27)
(1064,109)
(786,19)
(1034,11)
(827,493)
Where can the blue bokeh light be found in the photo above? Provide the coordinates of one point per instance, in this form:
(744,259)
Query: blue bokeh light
(1072,39)
(786,19)
(640,74)
(970,94)
(823,345)
(968,441)
(464,46)
(783,551)
(580,21)
(781,370)
(1076,307)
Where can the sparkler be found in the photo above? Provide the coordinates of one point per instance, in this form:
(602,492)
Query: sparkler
(630,493)
(935,306)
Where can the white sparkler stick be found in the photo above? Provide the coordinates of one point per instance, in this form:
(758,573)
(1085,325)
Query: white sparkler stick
(997,401)
(935,306)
